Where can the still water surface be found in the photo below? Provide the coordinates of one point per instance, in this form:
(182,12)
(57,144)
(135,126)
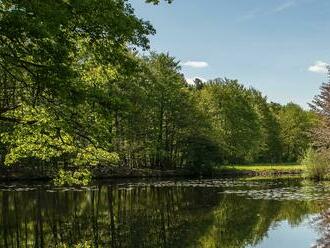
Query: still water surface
(187,213)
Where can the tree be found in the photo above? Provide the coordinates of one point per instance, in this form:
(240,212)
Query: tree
(270,147)
(159,116)
(73,88)
(321,107)
(234,121)
(198,83)
(295,124)
(57,62)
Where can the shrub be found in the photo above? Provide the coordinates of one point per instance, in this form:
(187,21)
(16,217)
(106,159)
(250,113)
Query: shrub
(316,164)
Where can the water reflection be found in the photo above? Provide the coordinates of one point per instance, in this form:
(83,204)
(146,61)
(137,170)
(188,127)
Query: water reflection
(323,224)
(209,213)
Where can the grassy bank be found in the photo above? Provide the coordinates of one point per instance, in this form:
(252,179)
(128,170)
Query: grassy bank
(261,169)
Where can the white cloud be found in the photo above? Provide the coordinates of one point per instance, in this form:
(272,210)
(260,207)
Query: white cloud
(191,80)
(196,64)
(319,67)
(249,15)
(263,12)
(285,6)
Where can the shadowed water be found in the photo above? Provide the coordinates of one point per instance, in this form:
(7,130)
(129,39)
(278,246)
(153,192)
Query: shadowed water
(187,213)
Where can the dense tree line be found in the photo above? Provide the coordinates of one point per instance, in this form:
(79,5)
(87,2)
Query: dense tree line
(74,89)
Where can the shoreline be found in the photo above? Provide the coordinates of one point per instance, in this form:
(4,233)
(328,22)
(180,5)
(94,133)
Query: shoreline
(105,172)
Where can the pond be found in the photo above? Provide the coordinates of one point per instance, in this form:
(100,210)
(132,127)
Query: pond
(168,213)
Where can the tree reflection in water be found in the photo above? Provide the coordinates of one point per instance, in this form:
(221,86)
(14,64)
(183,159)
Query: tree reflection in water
(144,216)
(323,224)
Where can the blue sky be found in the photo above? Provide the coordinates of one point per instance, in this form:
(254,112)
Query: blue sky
(280,47)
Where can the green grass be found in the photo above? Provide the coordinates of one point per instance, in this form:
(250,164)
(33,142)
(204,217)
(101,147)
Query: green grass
(271,177)
(263,167)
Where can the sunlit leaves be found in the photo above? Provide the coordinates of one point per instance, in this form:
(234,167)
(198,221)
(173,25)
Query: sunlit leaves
(95,156)
(78,177)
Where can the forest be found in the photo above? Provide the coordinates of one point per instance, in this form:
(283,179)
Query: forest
(80,86)
(107,141)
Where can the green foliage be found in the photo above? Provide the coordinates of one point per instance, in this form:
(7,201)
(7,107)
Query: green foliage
(78,177)
(233,118)
(85,244)
(74,89)
(316,164)
(295,124)
(156,115)
(269,147)
(95,156)
(202,153)
(58,62)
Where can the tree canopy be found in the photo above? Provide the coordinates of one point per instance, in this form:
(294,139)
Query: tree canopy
(75,89)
